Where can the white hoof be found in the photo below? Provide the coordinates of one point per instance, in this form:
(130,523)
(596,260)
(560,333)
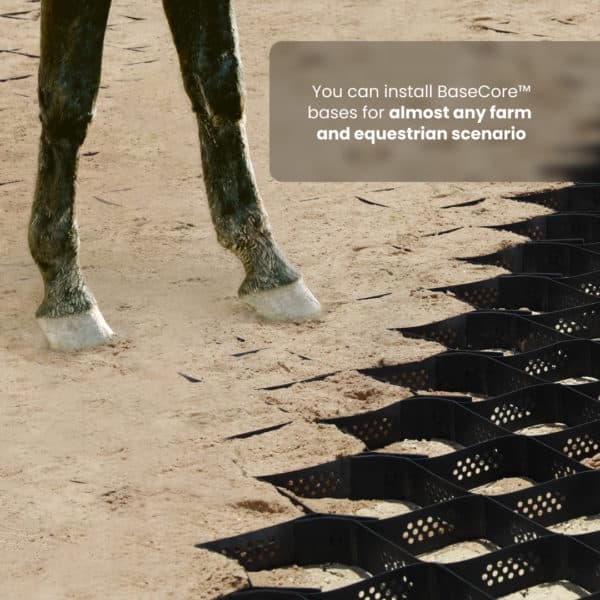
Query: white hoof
(76,332)
(293,301)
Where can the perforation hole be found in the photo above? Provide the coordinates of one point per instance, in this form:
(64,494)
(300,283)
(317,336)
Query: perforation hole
(539,505)
(469,467)
(570,327)
(562,469)
(391,563)
(423,529)
(316,485)
(535,232)
(436,493)
(372,430)
(499,571)
(252,552)
(581,446)
(544,366)
(522,535)
(417,379)
(590,288)
(509,413)
(398,588)
(481,296)
(446,336)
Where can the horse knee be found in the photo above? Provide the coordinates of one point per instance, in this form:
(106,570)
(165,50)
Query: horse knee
(216,88)
(65,112)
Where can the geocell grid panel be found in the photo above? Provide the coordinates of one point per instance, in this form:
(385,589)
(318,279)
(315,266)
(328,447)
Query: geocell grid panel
(549,321)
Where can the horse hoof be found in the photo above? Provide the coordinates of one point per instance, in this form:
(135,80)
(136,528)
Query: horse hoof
(76,332)
(293,301)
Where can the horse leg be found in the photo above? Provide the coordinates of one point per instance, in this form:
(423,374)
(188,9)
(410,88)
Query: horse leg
(206,39)
(72,34)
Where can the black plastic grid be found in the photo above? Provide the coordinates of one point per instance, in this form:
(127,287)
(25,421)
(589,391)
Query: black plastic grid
(588,283)
(315,539)
(520,393)
(573,198)
(510,456)
(540,404)
(419,581)
(260,593)
(584,226)
(533,292)
(561,361)
(384,476)
(380,546)
(548,559)
(543,257)
(517,331)
(490,373)
(415,582)
(484,374)
(371,476)
(421,417)
(463,519)
(559,501)
(468,423)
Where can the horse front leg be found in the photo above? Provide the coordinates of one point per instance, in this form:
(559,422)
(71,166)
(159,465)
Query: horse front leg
(72,34)
(206,39)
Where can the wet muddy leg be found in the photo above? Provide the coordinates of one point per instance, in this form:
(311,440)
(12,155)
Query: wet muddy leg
(72,34)
(206,39)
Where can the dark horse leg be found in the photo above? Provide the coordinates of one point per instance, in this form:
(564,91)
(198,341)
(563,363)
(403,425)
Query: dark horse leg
(206,39)
(72,34)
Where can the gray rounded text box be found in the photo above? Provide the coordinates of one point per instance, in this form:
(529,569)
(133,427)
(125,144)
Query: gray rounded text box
(435,111)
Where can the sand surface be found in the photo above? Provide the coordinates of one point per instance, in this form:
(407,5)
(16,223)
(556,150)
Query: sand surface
(113,465)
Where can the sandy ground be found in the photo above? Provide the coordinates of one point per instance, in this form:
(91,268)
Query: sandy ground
(112,465)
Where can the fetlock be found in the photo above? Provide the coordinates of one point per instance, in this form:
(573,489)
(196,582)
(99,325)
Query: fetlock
(266,267)
(66,295)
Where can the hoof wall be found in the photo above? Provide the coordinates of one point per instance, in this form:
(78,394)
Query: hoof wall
(293,301)
(76,332)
